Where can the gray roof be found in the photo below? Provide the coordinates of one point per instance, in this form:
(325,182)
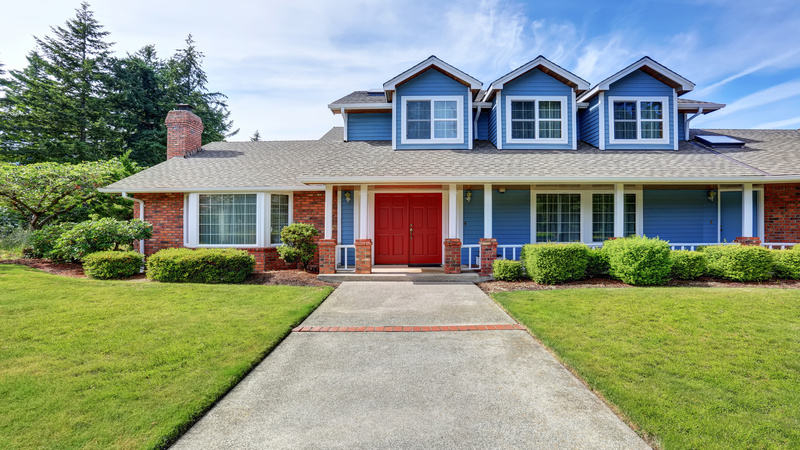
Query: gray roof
(283,164)
(361,97)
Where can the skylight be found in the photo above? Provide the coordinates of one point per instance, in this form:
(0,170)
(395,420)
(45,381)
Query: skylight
(715,141)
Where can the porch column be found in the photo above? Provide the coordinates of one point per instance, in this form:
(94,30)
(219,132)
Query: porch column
(619,210)
(452,215)
(327,256)
(487,211)
(362,213)
(328,211)
(747,210)
(363,242)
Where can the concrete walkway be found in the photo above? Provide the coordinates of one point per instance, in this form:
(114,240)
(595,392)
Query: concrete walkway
(433,389)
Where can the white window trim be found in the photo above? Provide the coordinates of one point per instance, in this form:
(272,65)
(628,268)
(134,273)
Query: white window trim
(459,139)
(263,210)
(564,119)
(639,140)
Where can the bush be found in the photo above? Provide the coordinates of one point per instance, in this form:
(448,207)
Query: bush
(505,270)
(555,263)
(597,263)
(714,254)
(688,265)
(739,262)
(639,260)
(99,235)
(112,265)
(298,243)
(786,263)
(204,265)
(42,242)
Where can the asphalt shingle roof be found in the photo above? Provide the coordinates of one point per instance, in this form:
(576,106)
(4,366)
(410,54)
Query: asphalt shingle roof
(284,163)
(361,97)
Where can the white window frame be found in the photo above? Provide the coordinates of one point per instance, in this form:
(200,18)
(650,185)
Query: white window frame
(459,139)
(525,98)
(263,212)
(639,140)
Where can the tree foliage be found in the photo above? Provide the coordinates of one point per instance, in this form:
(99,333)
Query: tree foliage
(299,243)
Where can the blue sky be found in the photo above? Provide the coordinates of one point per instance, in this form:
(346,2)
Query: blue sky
(282,62)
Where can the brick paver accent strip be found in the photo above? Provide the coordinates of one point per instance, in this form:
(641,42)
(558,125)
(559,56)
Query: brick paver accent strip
(410,329)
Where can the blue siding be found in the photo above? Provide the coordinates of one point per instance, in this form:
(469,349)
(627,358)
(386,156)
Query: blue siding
(640,84)
(473,224)
(483,125)
(680,216)
(589,123)
(369,127)
(431,83)
(511,217)
(493,123)
(731,215)
(533,83)
(347,223)
(681,128)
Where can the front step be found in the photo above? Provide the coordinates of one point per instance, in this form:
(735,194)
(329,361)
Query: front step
(423,277)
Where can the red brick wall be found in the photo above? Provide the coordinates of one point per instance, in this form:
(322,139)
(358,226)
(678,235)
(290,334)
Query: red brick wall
(184,133)
(782,213)
(165,212)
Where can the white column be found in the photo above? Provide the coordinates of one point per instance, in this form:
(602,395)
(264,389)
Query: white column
(362,213)
(328,211)
(487,210)
(619,210)
(747,210)
(452,216)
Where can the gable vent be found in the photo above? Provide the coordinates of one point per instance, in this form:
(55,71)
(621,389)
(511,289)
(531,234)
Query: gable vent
(715,141)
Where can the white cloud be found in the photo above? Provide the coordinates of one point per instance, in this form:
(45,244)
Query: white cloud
(772,94)
(780,123)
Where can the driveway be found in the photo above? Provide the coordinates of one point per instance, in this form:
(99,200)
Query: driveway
(417,389)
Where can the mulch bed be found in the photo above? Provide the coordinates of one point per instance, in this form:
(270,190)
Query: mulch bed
(72,270)
(528,285)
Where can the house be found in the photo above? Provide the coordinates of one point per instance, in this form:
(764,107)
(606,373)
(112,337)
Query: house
(433,169)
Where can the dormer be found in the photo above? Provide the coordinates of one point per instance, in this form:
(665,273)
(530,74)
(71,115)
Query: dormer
(636,108)
(432,106)
(534,107)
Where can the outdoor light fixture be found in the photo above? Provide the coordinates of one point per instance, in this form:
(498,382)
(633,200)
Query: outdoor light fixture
(468,196)
(347,195)
(712,195)
(502,190)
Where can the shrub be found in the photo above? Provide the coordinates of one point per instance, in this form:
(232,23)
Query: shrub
(639,260)
(112,265)
(714,254)
(298,243)
(505,270)
(42,242)
(688,265)
(787,263)
(555,263)
(597,263)
(739,262)
(99,235)
(204,265)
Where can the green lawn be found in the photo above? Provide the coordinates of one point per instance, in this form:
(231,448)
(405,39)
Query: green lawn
(692,367)
(127,364)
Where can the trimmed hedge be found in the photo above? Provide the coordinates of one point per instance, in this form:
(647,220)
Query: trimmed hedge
(739,262)
(112,265)
(555,263)
(597,263)
(204,265)
(506,270)
(787,263)
(688,265)
(639,260)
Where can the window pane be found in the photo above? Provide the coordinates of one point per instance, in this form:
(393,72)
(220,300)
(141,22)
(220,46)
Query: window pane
(550,129)
(420,129)
(624,110)
(558,217)
(549,110)
(651,111)
(278,216)
(624,130)
(523,111)
(227,219)
(418,110)
(630,215)
(445,129)
(602,217)
(652,130)
(445,110)
(523,129)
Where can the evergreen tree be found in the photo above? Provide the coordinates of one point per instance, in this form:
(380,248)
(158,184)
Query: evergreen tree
(256,136)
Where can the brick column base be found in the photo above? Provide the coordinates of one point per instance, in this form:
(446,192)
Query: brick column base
(488,255)
(363,255)
(327,256)
(452,256)
(744,240)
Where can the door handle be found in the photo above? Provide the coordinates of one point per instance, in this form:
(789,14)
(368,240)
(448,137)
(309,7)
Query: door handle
(411,231)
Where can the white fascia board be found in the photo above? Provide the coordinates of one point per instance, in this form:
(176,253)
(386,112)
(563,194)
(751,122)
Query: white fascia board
(604,85)
(391,85)
(553,180)
(213,189)
(539,61)
(707,107)
(336,108)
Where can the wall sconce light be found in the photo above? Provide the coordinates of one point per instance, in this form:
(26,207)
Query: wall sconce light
(347,196)
(468,196)
(712,195)
(502,190)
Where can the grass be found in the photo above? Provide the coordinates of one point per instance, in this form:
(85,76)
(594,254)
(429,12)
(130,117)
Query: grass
(692,367)
(125,364)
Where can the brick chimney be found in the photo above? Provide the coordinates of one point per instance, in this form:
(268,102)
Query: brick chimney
(184,132)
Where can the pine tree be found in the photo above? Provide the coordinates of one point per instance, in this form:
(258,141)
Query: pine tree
(256,136)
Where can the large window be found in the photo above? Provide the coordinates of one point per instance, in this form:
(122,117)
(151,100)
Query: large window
(278,216)
(227,219)
(638,120)
(603,216)
(531,120)
(558,217)
(432,120)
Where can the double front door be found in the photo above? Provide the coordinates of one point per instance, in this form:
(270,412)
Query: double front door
(408,228)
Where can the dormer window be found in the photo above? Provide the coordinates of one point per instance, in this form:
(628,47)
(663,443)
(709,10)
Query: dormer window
(638,120)
(432,120)
(536,120)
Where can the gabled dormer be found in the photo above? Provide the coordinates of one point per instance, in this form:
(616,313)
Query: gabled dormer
(636,108)
(534,107)
(432,106)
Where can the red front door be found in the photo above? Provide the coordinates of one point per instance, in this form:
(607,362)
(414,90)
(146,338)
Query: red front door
(408,228)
